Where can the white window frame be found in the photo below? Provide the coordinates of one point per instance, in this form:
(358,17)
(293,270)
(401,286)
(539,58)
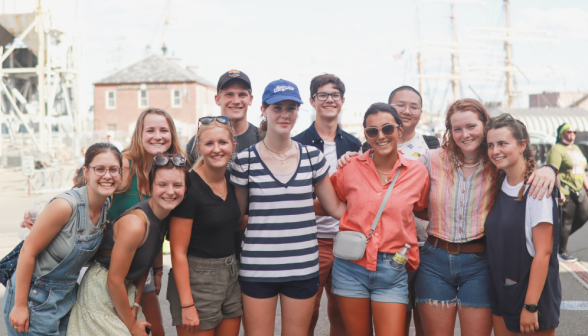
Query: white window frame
(139,98)
(173,96)
(113,106)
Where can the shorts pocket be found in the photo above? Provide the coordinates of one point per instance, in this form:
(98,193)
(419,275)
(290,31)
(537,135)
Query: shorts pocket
(514,297)
(80,260)
(483,255)
(8,298)
(38,297)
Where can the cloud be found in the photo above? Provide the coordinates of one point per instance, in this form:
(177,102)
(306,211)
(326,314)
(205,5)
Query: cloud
(565,23)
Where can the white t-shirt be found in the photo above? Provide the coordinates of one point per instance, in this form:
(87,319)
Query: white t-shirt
(537,211)
(328,226)
(413,150)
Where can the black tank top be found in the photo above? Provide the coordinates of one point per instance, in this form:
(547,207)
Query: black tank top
(509,259)
(147,253)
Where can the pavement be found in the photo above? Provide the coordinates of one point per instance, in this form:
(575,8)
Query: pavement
(14,201)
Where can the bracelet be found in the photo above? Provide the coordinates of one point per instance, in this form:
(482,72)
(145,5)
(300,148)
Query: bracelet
(135,304)
(157,274)
(157,268)
(192,305)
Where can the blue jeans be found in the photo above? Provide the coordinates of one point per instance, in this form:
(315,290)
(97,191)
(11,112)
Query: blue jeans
(445,278)
(385,284)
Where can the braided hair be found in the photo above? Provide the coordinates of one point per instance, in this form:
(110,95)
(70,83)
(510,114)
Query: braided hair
(519,132)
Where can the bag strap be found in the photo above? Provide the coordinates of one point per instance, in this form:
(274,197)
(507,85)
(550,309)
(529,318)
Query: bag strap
(377,219)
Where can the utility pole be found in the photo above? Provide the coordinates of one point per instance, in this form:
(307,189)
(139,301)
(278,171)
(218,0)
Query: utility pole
(454,65)
(420,54)
(41,74)
(508,50)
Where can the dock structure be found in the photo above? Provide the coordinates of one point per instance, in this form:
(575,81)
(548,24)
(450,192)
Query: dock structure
(39,98)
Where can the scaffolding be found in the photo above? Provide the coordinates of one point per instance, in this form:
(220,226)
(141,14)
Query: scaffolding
(39,94)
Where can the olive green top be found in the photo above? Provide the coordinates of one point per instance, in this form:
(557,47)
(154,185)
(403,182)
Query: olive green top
(571,163)
(122,202)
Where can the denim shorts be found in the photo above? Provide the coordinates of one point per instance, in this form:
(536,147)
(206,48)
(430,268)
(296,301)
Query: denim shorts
(445,278)
(386,284)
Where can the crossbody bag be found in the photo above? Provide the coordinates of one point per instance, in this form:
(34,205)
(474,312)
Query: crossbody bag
(350,245)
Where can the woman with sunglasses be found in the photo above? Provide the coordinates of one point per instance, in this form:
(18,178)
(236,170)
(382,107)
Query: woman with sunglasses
(375,285)
(110,292)
(203,287)
(571,162)
(461,179)
(275,180)
(42,291)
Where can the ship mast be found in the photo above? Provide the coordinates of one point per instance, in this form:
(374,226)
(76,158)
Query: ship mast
(508,63)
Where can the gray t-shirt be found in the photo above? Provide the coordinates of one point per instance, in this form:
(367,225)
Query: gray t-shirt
(64,241)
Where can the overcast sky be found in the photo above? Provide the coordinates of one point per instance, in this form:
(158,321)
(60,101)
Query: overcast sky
(356,40)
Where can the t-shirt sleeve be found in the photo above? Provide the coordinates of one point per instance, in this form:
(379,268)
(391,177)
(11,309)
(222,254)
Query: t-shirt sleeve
(320,167)
(186,208)
(240,169)
(540,211)
(554,157)
(338,183)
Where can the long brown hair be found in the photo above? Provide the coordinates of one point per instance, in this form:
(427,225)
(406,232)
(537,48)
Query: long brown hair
(519,132)
(136,153)
(450,147)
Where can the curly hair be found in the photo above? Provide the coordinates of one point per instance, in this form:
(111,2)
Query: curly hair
(519,132)
(450,147)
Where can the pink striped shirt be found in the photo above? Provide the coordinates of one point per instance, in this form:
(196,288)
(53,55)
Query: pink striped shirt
(458,206)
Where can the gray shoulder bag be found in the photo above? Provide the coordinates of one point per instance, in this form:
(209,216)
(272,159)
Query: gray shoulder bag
(350,245)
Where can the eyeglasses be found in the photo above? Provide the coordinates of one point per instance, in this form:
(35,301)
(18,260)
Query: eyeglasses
(220,119)
(387,130)
(402,107)
(101,170)
(162,160)
(322,96)
(571,132)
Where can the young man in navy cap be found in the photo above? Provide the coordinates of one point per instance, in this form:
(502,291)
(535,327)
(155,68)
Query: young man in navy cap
(234,98)
(327,97)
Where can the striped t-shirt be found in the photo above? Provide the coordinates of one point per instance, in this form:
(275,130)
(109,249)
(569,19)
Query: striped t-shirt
(280,241)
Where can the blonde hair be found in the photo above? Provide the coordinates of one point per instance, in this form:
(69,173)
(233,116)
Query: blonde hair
(204,127)
(136,153)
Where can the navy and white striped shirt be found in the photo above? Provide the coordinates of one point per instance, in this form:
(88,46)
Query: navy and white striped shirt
(280,241)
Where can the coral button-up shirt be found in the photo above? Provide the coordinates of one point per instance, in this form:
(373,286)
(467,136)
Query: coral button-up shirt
(358,184)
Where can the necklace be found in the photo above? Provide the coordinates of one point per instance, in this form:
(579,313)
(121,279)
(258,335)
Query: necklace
(477,157)
(470,166)
(276,155)
(212,185)
(385,174)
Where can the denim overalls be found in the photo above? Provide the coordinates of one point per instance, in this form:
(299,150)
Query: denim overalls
(52,295)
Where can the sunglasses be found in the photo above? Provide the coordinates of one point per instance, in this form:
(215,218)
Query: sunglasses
(387,130)
(220,119)
(162,160)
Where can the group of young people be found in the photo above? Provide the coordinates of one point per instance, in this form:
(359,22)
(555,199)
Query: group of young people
(252,215)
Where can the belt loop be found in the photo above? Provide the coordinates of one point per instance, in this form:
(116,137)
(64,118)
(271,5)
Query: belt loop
(436,242)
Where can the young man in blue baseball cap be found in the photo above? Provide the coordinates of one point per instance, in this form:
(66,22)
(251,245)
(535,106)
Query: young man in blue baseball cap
(327,96)
(275,180)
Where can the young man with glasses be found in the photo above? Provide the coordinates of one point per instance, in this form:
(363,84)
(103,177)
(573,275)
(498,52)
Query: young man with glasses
(408,102)
(327,97)
(234,98)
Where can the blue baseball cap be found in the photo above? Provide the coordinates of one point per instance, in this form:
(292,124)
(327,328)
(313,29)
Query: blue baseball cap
(280,90)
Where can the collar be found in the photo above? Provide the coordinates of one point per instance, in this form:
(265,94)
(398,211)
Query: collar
(366,159)
(315,137)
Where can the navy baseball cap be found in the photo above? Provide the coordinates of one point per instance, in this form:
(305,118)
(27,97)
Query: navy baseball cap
(233,75)
(280,90)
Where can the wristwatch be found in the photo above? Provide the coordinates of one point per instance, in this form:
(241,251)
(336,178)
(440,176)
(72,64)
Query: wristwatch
(532,308)
(555,170)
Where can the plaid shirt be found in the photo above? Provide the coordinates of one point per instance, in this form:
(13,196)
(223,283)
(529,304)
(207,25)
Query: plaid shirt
(458,206)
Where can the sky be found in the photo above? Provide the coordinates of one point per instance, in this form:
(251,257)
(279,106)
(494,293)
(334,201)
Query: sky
(357,41)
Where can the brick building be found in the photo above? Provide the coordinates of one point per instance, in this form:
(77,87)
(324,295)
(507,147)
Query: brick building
(155,81)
